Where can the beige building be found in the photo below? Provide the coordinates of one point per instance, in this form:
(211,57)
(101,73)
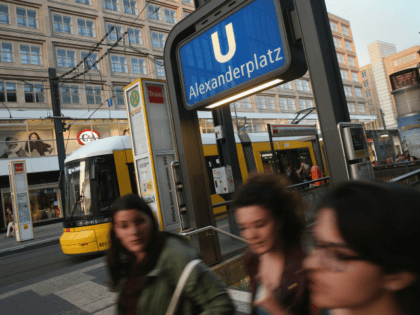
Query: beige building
(371,94)
(38,34)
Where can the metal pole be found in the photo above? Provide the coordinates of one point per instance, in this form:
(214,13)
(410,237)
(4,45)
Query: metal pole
(58,126)
(326,80)
(273,152)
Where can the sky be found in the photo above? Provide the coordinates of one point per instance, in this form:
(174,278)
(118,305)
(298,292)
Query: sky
(391,21)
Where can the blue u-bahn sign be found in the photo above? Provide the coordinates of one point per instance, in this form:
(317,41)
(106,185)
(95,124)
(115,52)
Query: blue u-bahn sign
(246,47)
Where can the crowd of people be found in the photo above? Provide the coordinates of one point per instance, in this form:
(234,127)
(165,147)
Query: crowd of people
(358,259)
(400,158)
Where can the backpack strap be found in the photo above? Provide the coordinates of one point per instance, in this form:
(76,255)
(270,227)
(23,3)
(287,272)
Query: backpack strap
(173,305)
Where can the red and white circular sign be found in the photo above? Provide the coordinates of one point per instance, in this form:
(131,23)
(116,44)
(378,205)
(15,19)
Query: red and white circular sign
(86,135)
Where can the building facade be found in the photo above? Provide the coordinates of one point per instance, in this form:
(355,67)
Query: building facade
(371,94)
(38,34)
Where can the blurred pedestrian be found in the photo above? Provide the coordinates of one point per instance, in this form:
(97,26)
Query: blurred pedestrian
(413,159)
(363,259)
(375,163)
(316,173)
(11,224)
(270,217)
(388,161)
(146,265)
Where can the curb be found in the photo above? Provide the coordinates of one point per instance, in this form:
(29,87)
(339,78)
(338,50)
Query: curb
(34,245)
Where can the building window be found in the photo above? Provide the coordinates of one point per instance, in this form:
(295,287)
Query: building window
(93,94)
(170,16)
(154,12)
(261,102)
(361,108)
(26,18)
(83,2)
(30,55)
(130,7)
(337,42)
(412,56)
(334,26)
(116,32)
(265,102)
(186,14)
(368,94)
(111,5)
(86,27)
(8,92)
(187,1)
(6,52)
(345,30)
(160,70)
(351,107)
(299,85)
(404,59)
(347,91)
(306,87)
(135,36)
(66,58)
(304,104)
(396,62)
(344,74)
(119,63)
(355,77)
(287,104)
(366,84)
(246,103)
(370,103)
(70,94)
(119,95)
(158,40)
(348,46)
(62,23)
(34,93)
(364,74)
(139,65)
(352,62)
(358,92)
(4,14)
(90,61)
(341,59)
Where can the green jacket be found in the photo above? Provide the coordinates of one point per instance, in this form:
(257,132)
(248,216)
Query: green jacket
(203,293)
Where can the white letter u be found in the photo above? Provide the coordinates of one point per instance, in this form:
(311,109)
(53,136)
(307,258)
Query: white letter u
(231,42)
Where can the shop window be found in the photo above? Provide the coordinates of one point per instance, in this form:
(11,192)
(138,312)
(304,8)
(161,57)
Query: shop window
(135,36)
(4,14)
(8,92)
(13,140)
(26,18)
(6,52)
(130,7)
(86,27)
(34,93)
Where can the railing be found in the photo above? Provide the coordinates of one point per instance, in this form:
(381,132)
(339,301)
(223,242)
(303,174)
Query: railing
(210,227)
(390,171)
(411,179)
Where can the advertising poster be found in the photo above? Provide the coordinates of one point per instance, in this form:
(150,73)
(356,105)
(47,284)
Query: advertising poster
(409,128)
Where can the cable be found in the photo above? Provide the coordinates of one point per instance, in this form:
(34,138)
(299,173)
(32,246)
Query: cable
(7,109)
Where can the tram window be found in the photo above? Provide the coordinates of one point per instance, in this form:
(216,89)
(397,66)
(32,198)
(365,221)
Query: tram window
(106,186)
(133,180)
(267,160)
(304,156)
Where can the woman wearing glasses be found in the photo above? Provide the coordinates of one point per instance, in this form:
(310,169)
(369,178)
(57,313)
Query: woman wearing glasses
(364,256)
(267,215)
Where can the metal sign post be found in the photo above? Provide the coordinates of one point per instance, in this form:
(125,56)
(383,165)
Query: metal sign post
(154,147)
(20,200)
(326,81)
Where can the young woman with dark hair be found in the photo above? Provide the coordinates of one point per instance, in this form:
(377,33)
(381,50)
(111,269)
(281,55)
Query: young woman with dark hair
(145,266)
(364,258)
(36,144)
(271,218)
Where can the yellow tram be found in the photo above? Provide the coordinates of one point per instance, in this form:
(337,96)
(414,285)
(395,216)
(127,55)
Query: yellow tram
(101,171)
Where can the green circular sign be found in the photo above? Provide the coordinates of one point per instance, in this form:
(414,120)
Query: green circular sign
(134,98)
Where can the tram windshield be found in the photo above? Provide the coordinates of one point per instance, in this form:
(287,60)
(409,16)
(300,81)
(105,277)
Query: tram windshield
(78,201)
